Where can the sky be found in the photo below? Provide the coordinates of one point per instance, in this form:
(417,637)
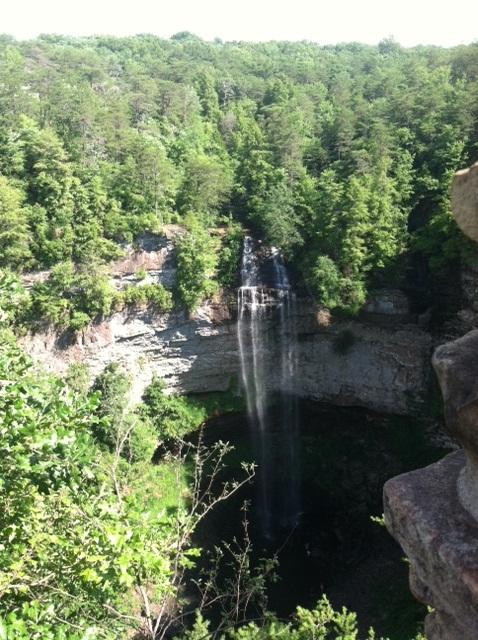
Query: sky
(411,22)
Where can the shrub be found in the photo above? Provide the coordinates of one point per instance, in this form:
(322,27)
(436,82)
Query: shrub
(147,294)
(14,299)
(78,320)
(172,416)
(196,253)
(71,299)
(141,274)
(230,255)
(78,377)
(142,440)
(95,295)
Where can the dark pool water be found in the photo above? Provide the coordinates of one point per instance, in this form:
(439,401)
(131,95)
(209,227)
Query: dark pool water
(344,456)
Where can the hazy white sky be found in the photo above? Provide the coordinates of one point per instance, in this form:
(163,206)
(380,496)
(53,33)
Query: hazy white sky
(325,21)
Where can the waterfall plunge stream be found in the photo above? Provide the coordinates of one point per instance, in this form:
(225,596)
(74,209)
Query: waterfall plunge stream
(268,354)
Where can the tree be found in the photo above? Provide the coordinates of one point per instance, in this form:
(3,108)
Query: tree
(196,255)
(14,233)
(48,176)
(206,185)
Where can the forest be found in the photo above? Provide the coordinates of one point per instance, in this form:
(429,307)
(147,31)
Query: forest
(340,156)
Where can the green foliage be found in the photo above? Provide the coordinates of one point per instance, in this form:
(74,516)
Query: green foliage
(172,416)
(78,377)
(152,294)
(217,403)
(230,255)
(206,185)
(320,623)
(325,281)
(340,156)
(14,237)
(330,154)
(140,274)
(175,416)
(120,429)
(14,300)
(78,533)
(142,440)
(71,298)
(113,385)
(47,524)
(196,255)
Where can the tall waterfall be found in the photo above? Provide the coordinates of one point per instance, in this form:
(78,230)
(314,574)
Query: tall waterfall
(268,353)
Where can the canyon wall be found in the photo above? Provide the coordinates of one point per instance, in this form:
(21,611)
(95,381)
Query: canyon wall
(384,364)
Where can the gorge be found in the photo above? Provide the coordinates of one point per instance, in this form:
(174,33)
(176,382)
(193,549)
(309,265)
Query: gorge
(385,369)
(231,291)
(294,368)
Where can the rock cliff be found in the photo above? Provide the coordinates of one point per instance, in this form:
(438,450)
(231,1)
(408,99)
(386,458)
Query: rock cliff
(433,512)
(384,367)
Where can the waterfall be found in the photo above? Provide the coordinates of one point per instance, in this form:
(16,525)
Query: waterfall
(288,393)
(259,340)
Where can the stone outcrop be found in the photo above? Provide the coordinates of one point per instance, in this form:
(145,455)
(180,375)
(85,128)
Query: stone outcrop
(456,365)
(433,512)
(385,365)
(464,200)
(440,538)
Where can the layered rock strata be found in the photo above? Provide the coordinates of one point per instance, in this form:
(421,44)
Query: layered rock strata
(381,368)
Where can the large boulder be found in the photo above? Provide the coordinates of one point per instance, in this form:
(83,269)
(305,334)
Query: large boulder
(440,539)
(456,365)
(464,200)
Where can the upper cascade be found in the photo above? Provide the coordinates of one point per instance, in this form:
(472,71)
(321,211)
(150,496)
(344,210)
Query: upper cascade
(249,264)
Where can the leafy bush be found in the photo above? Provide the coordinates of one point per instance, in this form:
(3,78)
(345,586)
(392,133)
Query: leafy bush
(196,254)
(322,622)
(121,429)
(140,274)
(76,540)
(78,377)
(14,299)
(147,294)
(70,298)
(230,255)
(324,280)
(142,441)
(172,416)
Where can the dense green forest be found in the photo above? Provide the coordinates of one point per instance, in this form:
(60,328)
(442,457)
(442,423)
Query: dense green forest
(340,156)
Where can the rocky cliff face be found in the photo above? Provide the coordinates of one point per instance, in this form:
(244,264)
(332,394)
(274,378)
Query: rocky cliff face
(190,355)
(384,366)
(433,512)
